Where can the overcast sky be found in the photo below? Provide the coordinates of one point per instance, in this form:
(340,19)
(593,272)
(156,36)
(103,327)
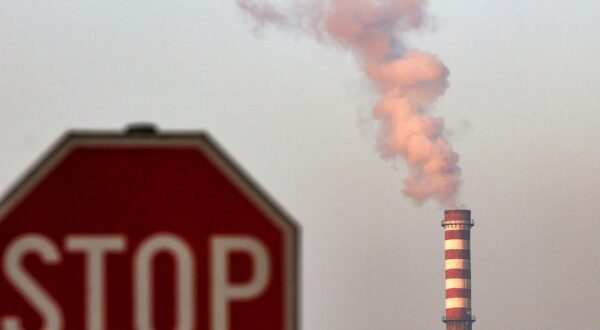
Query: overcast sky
(522,108)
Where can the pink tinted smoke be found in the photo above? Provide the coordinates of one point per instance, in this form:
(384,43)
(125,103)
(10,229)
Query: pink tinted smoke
(409,83)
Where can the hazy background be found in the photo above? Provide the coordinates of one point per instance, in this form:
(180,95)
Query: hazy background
(522,105)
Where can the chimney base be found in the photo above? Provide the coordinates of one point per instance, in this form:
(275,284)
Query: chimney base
(459,325)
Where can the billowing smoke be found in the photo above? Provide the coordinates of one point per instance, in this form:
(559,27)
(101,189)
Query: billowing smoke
(409,81)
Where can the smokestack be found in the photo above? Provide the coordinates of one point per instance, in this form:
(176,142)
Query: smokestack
(457,231)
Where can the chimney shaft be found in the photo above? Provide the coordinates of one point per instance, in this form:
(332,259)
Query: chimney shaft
(457,231)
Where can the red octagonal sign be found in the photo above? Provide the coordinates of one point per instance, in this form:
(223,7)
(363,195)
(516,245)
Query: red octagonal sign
(144,231)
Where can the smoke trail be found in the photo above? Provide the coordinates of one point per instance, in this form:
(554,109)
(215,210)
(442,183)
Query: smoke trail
(264,13)
(409,81)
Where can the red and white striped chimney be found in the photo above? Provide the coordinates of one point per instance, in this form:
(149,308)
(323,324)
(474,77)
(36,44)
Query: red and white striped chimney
(457,231)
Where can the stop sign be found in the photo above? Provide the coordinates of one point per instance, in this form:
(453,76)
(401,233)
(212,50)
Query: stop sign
(144,231)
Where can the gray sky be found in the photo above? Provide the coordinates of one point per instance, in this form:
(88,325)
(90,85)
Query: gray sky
(522,107)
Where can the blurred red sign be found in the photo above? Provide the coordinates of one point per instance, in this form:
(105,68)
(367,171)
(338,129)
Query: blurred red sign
(144,231)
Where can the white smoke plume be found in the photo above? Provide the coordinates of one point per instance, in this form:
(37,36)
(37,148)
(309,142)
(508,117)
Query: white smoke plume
(409,81)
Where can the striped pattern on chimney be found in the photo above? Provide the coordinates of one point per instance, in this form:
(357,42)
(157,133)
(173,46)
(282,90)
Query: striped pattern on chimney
(457,225)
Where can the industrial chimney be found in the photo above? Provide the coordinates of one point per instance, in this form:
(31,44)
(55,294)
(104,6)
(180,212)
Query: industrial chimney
(457,231)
